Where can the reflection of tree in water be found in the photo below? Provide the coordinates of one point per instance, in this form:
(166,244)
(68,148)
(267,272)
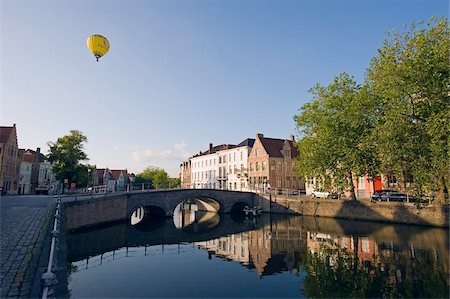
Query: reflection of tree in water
(333,272)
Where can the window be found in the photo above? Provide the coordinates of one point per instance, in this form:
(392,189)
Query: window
(392,181)
(251,167)
(272,165)
(361,183)
(257,152)
(257,166)
(311,181)
(280,167)
(220,159)
(365,245)
(234,157)
(264,165)
(242,156)
(409,180)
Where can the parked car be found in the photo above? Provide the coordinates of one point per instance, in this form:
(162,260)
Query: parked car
(389,195)
(322,194)
(333,195)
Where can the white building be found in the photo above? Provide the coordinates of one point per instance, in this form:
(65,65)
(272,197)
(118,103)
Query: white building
(233,166)
(46,179)
(204,168)
(25,177)
(222,167)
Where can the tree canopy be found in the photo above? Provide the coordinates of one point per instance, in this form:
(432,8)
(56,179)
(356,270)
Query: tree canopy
(396,122)
(66,154)
(158,178)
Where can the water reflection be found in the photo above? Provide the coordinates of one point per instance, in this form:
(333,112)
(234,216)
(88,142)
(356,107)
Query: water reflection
(188,216)
(312,257)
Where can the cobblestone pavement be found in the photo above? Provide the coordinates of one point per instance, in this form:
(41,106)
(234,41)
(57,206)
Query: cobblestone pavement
(24,223)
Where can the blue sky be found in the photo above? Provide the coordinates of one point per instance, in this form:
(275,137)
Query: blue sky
(180,74)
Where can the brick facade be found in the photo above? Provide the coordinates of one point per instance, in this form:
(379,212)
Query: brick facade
(10,160)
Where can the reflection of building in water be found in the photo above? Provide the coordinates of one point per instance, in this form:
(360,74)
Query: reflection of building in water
(233,247)
(285,241)
(400,262)
(394,263)
(366,249)
(271,249)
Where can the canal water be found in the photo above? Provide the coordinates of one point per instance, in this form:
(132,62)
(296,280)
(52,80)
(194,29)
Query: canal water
(208,255)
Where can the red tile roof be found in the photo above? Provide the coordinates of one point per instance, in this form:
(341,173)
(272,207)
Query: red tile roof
(29,156)
(116,174)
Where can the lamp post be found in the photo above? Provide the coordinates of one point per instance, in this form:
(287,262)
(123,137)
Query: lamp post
(88,179)
(132,178)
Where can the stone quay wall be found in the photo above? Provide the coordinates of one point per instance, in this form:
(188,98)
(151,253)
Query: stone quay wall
(93,211)
(391,212)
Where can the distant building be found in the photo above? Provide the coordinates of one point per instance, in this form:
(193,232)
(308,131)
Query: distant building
(272,164)
(26,167)
(185,174)
(9,160)
(115,180)
(42,178)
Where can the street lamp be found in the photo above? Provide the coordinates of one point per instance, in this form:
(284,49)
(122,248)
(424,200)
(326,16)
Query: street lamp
(88,178)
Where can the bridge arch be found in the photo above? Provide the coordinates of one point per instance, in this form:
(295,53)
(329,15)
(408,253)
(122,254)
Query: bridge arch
(219,201)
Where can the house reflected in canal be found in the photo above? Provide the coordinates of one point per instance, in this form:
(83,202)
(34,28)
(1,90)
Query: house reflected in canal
(308,257)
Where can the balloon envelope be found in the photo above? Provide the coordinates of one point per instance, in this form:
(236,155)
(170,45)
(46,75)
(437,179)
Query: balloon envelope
(98,45)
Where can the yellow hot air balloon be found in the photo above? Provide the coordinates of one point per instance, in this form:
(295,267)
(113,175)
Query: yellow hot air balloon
(98,45)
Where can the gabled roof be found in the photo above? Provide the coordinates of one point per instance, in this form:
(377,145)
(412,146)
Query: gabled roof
(116,174)
(247,142)
(30,155)
(28,158)
(5,132)
(274,147)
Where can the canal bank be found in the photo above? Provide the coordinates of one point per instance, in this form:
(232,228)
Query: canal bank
(389,212)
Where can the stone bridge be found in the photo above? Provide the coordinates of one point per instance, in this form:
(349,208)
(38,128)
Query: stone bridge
(92,211)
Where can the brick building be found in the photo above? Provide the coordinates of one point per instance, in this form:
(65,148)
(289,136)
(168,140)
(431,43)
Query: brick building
(9,160)
(272,164)
(185,174)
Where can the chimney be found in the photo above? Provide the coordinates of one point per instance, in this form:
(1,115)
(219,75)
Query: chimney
(210,147)
(38,150)
(260,136)
(292,138)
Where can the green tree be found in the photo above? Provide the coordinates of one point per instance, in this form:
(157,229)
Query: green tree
(158,177)
(66,154)
(411,77)
(335,128)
